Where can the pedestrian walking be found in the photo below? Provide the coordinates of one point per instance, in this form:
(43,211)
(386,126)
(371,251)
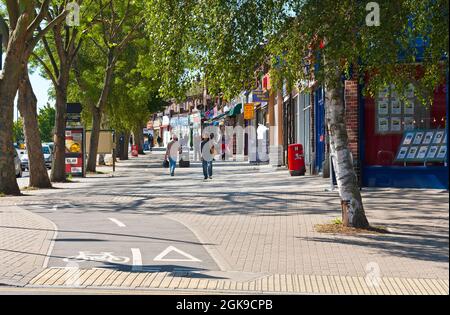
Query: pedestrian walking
(173,149)
(159,140)
(150,142)
(208,152)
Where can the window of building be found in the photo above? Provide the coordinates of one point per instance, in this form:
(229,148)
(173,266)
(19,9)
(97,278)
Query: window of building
(398,132)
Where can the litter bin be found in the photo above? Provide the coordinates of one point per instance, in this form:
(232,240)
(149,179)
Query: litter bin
(296,160)
(135,150)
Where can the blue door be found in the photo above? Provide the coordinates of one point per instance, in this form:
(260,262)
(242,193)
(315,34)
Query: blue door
(320,127)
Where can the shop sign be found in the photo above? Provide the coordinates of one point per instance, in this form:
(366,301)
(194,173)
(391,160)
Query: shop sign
(249,111)
(259,96)
(183,121)
(179,122)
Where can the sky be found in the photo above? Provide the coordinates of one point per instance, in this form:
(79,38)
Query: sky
(40,87)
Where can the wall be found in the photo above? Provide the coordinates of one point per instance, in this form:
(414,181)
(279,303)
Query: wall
(352,121)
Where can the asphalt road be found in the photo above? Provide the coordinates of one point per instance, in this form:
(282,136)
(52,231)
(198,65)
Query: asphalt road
(96,232)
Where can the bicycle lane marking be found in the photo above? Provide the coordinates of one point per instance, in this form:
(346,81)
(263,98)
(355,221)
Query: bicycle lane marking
(90,231)
(119,224)
(137,259)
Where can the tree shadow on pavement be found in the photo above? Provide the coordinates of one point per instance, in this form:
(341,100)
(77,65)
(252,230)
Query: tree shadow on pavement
(110,234)
(434,249)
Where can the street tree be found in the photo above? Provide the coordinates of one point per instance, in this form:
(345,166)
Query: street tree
(55,56)
(23,25)
(27,104)
(116,27)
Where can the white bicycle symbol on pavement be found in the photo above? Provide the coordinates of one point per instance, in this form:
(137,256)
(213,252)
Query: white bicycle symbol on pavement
(98,257)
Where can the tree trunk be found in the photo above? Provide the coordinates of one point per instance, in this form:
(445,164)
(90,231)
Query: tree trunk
(95,136)
(352,204)
(9,84)
(139,140)
(28,109)
(59,159)
(124,146)
(8,182)
(97,112)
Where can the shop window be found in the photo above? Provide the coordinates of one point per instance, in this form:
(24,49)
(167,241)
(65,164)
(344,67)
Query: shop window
(399,132)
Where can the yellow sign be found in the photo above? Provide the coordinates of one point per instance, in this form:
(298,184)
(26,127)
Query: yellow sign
(249,111)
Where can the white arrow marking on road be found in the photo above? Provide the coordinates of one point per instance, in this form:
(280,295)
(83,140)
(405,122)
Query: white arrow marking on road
(120,224)
(137,259)
(170,249)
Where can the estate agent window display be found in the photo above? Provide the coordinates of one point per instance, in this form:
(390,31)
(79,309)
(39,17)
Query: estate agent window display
(405,132)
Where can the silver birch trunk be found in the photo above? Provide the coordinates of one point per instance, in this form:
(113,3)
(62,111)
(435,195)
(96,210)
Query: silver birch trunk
(352,204)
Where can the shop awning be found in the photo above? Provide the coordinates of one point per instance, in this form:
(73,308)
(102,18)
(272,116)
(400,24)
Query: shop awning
(219,117)
(235,111)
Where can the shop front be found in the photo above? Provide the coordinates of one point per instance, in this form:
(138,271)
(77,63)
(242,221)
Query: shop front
(302,114)
(165,131)
(235,119)
(181,128)
(156,131)
(403,143)
(260,122)
(320,130)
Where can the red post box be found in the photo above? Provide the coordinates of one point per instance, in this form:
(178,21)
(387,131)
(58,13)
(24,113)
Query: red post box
(134,151)
(296,160)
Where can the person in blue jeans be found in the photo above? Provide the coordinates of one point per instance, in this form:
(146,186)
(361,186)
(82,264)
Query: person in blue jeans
(208,152)
(173,148)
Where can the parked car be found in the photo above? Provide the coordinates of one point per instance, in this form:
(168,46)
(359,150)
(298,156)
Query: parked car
(51,145)
(17,164)
(48,158)
(48,155)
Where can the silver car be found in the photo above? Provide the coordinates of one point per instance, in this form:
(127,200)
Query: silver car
(17,164)
(48,158)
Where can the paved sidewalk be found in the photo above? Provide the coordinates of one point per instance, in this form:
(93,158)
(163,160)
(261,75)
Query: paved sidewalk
(183,282)
(25,241)
(258,225)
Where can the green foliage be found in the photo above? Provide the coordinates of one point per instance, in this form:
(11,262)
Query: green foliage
(46,119)
(224,42)
(352,45)
(217,42)
(18,134)
(337,221)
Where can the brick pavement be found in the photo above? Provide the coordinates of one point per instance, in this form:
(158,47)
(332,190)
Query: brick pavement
(260,223)
(25,240)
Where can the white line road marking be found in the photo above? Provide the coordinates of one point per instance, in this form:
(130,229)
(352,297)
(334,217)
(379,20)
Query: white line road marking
(137,259)
(170,249)
(120,224)
(52,245)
